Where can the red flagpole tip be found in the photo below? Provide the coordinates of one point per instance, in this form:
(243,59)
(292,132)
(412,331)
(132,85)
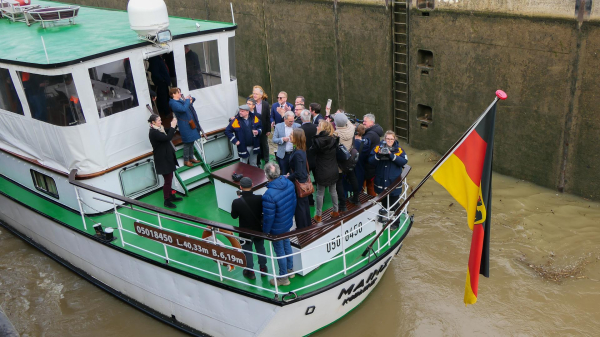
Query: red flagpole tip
(501,94)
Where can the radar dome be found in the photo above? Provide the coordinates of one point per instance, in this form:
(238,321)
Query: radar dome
(147,17)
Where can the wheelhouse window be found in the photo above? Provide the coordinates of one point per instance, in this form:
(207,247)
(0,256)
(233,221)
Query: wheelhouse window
(202,64)
(114,88)
(232,70)
(52,99)
(44,184)
(9,100)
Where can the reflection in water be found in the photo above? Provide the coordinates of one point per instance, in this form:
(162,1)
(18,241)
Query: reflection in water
(545,272)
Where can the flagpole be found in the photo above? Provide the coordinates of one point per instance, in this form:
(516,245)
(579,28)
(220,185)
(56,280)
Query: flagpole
(499,95)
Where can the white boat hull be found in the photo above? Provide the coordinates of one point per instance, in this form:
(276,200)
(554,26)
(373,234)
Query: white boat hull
(183,301)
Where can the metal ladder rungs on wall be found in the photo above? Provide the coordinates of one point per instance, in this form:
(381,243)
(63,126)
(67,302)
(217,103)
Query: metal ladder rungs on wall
(400,64)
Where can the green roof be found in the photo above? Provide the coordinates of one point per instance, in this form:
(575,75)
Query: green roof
(96,32)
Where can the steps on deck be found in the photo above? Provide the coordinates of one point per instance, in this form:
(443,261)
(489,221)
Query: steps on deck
(189,177)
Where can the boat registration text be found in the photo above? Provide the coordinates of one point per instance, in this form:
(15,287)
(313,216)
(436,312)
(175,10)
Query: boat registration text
(203,248)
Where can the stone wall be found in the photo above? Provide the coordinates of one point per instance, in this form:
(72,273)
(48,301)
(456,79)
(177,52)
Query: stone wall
(536,50)
(548,128)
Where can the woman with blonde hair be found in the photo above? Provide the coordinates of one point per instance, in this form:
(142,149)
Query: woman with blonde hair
(299,172)
(263,112)
(326,170)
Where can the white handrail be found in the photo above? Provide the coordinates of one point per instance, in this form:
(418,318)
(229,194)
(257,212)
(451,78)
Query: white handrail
(343,254)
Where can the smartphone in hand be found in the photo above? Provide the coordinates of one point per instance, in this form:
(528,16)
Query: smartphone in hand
(328,104)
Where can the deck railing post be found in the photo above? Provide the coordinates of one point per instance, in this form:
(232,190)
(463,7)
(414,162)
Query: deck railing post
(80,208)
(164,246)
(273,267)
(119,224)
(343,246)
(214,235)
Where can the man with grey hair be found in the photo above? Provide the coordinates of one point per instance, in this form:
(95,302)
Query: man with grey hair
(373,132)
(279,206)
(281,137)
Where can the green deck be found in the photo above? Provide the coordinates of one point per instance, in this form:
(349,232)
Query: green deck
(96,31)
(201,202)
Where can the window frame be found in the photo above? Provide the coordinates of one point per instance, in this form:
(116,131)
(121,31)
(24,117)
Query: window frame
(142,191)
(93,68)
(20,103)
(40,188)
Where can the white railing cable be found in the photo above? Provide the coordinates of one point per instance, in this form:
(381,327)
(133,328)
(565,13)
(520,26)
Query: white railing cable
(272,256)
(80,207)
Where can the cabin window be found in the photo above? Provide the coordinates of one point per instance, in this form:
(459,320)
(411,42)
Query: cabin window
(113,86)
(202,64)
(138,178)
(9,100)
(44,183)
(232,70)
(52,99)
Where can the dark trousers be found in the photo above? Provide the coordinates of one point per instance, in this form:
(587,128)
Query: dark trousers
(340,186)
(302,214)
(167,186)
(259,246)
(284,164)
(162,99)
(264,148)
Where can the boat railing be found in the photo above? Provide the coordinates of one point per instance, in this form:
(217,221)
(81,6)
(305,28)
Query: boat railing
(160,220)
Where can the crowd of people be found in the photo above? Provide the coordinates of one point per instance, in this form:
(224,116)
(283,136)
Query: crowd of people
(344,156)
(307,142)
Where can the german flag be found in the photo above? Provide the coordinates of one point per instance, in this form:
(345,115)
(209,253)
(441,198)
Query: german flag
(466,173)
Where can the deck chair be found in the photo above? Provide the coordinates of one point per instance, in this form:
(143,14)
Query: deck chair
(15,12)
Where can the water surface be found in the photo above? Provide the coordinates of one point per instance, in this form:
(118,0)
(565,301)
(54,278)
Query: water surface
(545,272)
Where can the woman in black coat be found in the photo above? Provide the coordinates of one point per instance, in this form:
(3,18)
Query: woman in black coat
(165,161)
(299,168)
(326,169)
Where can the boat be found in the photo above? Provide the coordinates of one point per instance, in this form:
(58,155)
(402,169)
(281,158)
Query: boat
(77,180)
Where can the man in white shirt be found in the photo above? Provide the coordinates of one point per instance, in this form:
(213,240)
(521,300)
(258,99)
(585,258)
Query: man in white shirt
(281,137)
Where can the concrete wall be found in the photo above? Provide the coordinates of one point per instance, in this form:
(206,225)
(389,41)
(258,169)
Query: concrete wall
(537,51)
(319,49)
(546,131)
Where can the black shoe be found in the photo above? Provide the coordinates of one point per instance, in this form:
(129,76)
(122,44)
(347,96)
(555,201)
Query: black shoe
(249,274)
(354,200)
(174,197)
(265,270)
(169,204)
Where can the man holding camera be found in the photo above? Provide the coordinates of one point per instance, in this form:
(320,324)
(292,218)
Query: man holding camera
(248,207)
(388,158)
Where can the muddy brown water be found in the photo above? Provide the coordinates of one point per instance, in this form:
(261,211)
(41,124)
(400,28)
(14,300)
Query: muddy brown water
(545,272)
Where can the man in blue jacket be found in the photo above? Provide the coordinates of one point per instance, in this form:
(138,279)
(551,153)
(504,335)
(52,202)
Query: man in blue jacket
(243,132)
(280,108)
(279,206)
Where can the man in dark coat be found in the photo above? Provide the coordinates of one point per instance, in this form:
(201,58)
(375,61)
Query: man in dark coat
(248,207)
(263,112)
(165,162)
(315,111)
(161,79)
(193,69)
(373,133)
(310,130)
